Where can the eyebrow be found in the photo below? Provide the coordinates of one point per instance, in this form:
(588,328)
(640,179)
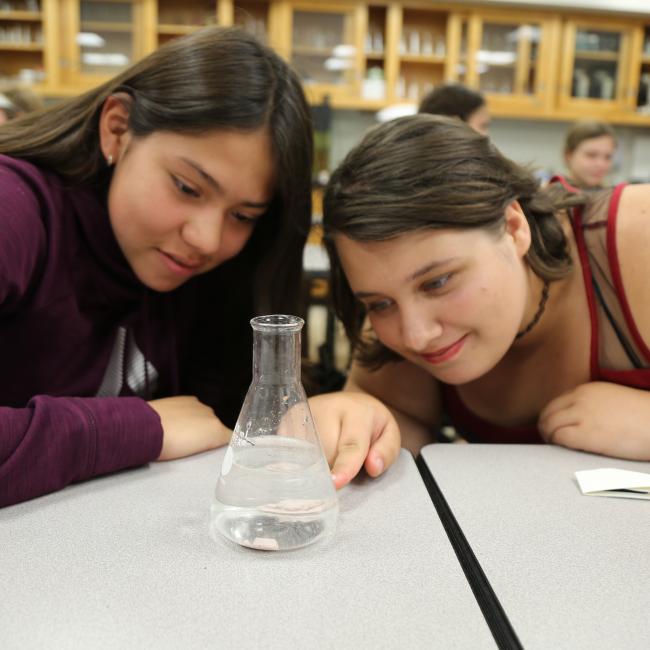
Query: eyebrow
(429,267)
(414,276)
(213,182)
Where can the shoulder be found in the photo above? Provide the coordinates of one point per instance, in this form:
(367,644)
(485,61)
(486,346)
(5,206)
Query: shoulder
(633,225)
(24,189)
(633,243)
(23,194)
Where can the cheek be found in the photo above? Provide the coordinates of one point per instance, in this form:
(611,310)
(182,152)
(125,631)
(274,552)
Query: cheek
(233,242)
(135,214)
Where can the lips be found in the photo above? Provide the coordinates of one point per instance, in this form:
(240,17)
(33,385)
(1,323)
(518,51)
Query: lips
(446,353)
(182,261)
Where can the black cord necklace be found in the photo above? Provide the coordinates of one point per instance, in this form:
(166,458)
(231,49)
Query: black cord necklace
(538,314)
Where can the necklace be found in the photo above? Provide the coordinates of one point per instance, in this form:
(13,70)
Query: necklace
(538,314)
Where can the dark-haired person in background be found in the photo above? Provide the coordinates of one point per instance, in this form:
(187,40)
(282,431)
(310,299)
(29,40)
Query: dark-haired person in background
(456,100)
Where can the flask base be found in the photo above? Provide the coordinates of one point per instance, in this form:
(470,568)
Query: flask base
(268,532)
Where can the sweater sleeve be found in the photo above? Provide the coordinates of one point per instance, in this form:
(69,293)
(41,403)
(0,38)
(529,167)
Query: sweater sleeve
(22,239)
(55,441)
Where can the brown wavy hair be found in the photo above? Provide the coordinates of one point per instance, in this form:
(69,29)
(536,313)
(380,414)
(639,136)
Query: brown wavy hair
(427,172)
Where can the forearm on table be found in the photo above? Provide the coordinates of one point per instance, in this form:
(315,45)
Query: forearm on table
(55,441)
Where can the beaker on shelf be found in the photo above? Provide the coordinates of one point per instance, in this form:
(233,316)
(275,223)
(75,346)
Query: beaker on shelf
(275,491)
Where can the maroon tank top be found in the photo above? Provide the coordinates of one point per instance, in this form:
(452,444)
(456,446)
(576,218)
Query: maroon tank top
(618,352)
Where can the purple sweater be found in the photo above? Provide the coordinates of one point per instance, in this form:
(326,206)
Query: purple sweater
(65,288)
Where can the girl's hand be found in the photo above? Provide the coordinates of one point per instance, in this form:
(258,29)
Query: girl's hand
(189,427)
(355,430)
(602,418)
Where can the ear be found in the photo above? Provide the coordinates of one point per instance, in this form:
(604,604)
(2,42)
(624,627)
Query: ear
(114,125)
(517,227)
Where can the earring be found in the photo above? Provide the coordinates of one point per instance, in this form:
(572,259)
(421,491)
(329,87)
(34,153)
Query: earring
(109,160)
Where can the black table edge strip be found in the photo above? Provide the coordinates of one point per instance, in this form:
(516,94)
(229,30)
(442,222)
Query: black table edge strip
(493,612)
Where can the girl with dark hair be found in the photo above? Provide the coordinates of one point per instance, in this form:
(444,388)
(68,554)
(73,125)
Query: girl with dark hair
(141,226)
(522,315)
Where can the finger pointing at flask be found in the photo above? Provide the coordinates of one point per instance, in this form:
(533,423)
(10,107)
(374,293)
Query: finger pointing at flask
(356,430)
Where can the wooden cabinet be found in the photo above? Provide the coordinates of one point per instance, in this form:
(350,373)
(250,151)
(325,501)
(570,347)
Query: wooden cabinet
(422,53)
(510,57)
(595,74)
(173,18)
(23,30)
(324,43)
(99,38)
(366,55)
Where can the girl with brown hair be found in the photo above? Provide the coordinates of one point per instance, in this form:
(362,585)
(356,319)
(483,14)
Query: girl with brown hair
(521,315)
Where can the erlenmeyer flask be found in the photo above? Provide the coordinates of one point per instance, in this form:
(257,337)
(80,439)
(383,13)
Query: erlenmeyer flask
(275,491)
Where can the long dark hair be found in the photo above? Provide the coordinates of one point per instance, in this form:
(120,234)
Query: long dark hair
(216,78)
(427,172)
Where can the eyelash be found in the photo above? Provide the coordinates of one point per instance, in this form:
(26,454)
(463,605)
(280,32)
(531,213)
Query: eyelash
(185,189)
(379,306)
(437,283)
(432,286)
(244,218)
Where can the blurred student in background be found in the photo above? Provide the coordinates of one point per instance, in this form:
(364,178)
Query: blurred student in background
(16,101)
(456,100)
(589,149)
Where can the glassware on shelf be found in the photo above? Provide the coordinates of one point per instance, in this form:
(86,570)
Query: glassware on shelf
(275,491)
(605,84)
(581,83)
(427,43)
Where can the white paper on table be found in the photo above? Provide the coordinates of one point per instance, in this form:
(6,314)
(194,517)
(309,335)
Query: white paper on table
(612,482)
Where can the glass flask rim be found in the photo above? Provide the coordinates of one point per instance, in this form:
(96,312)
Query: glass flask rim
(279,323)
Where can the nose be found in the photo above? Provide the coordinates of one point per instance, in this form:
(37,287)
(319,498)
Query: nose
(421,328)
(204,231)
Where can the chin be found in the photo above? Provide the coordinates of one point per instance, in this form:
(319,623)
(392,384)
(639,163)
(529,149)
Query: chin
(160,285)
(457,376)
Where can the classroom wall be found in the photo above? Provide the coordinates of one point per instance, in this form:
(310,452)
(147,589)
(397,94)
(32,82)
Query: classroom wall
(533,142)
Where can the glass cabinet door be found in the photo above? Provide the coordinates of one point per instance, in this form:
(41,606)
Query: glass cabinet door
(179,17)
(596,74)
(105,39)
(325,49)
(22,41)
(509,59)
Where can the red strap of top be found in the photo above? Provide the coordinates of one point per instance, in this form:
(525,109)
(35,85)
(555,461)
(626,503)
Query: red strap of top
(617,278)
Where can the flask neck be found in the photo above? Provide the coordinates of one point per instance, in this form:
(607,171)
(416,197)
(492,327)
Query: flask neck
(276,357)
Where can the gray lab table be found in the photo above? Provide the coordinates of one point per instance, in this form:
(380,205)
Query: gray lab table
(126,561)
(570,571)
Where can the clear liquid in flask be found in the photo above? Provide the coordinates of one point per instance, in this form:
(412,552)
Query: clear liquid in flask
(275,495)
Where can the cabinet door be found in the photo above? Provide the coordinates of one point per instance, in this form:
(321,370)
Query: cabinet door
(23,57)
(174,18)
(326,48)
(640,85)
(510,59)
(595,77)
(103,37)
